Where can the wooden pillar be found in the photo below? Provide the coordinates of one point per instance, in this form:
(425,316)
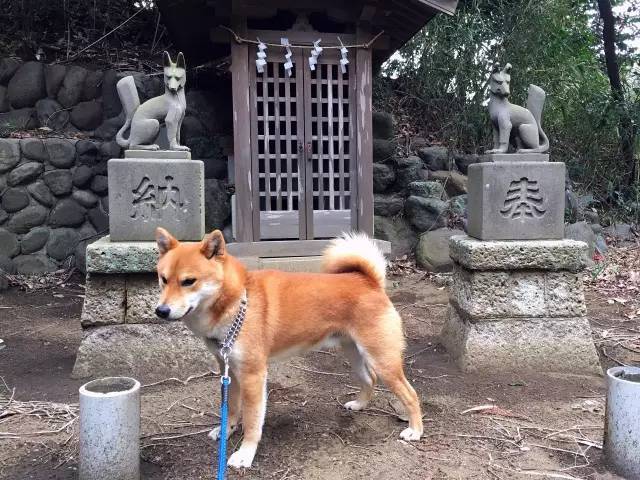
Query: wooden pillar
(241,134)
(364,135)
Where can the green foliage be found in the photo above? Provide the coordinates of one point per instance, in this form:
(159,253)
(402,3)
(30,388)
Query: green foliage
(439,86)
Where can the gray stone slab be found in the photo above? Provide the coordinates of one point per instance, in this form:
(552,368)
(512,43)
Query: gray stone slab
(514,157)
(158,154)
(516,200)
(148,193)
(143,293)
(147,352)
(105,256)
(104,300)
(536,345)
(553,255)
(494,295)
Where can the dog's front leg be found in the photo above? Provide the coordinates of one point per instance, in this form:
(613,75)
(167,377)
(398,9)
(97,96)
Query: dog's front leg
(254,406)
(235,406)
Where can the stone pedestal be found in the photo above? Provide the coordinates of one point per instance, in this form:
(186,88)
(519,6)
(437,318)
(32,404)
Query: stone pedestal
(150,189)
(519,306)
(516,197)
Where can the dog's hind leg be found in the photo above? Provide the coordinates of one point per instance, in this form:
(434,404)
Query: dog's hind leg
(383,343)
(365,375)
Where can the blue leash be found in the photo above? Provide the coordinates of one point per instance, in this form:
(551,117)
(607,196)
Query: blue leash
(222,446)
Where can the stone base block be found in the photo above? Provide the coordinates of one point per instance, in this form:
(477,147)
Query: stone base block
(521,293)
(520,200)
(514,157)
(562,345)
(146,352)
(104,300)
(554,255)
(146,193)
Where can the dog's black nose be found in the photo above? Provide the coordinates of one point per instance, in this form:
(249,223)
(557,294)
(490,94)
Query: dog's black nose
(163,311)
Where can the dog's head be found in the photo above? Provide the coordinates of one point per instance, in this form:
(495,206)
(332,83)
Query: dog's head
(500,81)
(175,74)
(190,274)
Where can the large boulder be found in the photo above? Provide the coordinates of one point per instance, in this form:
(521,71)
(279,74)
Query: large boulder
(27,86)
(383,177)
(109,128)
(51,114)
(464,160)
(71,91)
(620,231)
(192,128)
(41,193)
(85,198)
(458,205)
(425,213)
(88,152)
(9,245)
(110,99)
(6,266)
(432,251)
(454,182)
(382,125)
(100,184)
(383,150)
(14,199)
(58,181)
(8,67)
(87,115)
(398,232)
(34,240)
(53,77)
(25,173)
(217,204)
(5,105)
(67,213)
(82,175)
(62,153)
(426,189)
(9,154)
(387,205)
(99,218)
(27,218)
(92,85)
(62,243)
(409,170)
(34,264)
(34,149)
(582,231)
(435,158)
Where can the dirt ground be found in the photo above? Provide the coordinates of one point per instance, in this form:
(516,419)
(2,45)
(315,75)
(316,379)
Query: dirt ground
(546,426)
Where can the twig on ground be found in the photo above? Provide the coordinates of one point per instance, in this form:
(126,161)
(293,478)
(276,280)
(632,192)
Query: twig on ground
(183,382)
(310,370)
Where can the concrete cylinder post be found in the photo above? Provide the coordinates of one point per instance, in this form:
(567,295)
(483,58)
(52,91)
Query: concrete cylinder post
(110,429)
(622,434)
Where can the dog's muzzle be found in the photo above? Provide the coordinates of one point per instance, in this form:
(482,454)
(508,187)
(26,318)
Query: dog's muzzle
(163,311)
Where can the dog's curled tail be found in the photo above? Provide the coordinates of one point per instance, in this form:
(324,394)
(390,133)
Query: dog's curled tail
(355,252)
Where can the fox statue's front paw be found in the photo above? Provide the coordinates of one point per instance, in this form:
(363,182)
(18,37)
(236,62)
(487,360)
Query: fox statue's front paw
(180,148)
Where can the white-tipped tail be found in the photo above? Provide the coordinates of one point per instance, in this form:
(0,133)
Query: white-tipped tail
(355,252)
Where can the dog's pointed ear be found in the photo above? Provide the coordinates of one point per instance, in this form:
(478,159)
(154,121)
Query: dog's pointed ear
(213,245)
(166,59)
(180,61)
(165,241)
(507,68)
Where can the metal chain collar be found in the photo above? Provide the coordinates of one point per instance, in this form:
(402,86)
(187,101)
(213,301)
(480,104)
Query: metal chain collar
(232,334)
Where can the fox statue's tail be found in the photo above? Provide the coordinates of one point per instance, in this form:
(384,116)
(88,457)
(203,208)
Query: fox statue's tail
(535,103)
(355,252)
(130,100)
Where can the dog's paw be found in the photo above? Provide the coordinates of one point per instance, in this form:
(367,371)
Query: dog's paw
(355,405)
(410,435)
(215,433)
(243,458)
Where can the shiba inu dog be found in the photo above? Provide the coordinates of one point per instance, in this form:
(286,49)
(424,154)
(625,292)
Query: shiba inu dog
(144,120)
(287,313)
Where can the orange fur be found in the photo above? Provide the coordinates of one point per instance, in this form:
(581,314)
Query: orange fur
(288,312)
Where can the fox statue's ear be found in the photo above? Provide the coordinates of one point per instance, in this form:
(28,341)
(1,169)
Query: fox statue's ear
(213,244)
(165,240)
(507,68)
(496,68)
(166,59)
(180,63)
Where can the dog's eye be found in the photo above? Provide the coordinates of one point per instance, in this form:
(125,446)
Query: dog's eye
(164,279)
(187,282)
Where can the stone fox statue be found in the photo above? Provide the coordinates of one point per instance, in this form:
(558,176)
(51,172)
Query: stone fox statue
(144,120)
(513,124)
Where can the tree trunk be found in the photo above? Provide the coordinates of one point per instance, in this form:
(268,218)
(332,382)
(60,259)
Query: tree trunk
(626,127)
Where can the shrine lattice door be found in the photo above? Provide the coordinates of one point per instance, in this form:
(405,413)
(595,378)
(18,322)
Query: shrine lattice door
(303,149)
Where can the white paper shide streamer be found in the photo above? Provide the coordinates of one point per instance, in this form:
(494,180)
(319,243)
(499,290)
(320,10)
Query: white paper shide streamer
(344,61)
(315,53)
(288,65)
(261,62)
